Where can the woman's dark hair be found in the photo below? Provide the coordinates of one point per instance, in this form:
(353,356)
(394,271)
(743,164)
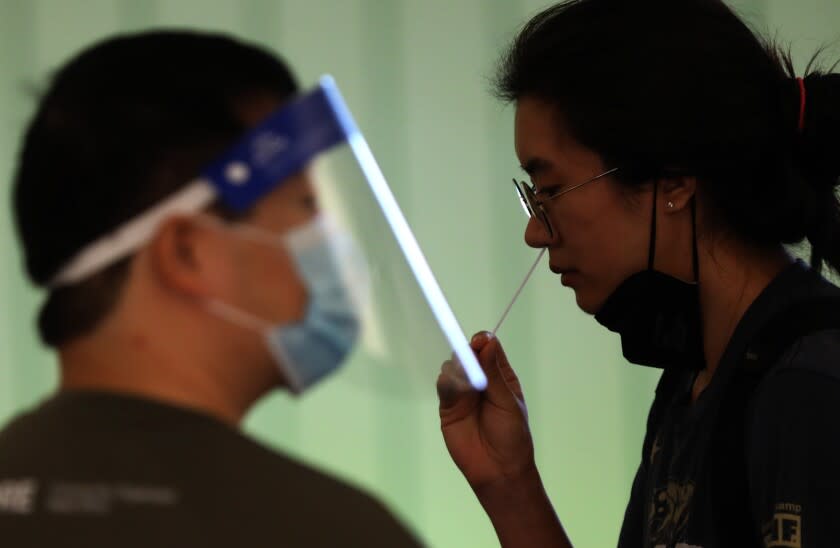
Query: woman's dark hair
(124,124)
(657,85)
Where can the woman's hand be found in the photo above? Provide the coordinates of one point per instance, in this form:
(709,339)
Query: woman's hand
(488,437)
(487,432)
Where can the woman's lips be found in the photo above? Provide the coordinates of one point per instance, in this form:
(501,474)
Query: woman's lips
(567,275)
(560,270)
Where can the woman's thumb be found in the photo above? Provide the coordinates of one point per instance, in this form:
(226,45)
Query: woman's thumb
(452,383)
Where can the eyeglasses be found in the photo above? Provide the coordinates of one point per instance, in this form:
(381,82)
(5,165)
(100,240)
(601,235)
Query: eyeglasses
(532,201)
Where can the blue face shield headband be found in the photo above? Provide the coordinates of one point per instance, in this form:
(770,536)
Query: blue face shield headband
(282,145)
(407,327)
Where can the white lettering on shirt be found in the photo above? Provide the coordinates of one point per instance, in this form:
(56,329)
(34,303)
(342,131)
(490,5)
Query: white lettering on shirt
(17,496)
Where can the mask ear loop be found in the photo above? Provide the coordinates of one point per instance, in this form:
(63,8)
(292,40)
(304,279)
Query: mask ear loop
(652,249)
(694,257)
(695,260)
(237,317)
(696,264)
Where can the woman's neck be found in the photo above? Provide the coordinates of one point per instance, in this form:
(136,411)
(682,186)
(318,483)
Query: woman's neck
(731,278)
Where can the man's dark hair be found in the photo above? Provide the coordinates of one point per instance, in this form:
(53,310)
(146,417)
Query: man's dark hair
(657,86)
(123,125)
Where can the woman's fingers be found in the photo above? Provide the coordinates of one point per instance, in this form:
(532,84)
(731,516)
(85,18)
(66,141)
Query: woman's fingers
(507,372)
(503,387)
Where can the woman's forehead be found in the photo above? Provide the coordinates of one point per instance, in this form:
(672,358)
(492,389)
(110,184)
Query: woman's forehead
(544,145)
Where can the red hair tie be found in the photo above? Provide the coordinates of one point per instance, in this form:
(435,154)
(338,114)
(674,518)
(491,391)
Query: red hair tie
(801,124)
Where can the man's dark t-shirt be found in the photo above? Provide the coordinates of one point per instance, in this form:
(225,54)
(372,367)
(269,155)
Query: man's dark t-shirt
(104,470)
(789,451)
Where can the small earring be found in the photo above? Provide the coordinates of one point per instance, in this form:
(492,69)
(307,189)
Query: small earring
(670,205)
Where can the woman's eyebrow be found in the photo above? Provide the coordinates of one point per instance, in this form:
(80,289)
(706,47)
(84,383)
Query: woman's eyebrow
(535,166)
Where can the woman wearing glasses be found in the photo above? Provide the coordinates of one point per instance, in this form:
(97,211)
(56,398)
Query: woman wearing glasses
(672,155)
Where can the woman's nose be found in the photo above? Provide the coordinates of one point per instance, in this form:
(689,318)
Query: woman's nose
(536,234)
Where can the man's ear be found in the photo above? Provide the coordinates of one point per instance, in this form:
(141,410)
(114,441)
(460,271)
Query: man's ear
(675,193)
(185,255)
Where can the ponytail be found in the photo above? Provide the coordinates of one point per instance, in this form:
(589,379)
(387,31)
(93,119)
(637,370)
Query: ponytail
(817,159)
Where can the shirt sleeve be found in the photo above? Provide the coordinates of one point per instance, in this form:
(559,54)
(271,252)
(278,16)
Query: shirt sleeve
(793,452)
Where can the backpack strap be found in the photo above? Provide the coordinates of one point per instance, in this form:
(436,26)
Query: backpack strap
(728,475)
(786,328)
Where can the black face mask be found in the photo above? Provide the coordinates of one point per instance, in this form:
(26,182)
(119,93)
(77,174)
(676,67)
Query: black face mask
(657,315)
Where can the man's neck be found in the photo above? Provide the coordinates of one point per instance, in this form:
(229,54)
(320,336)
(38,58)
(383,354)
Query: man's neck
(139,366)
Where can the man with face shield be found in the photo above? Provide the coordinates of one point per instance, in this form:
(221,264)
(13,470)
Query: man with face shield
(175,302)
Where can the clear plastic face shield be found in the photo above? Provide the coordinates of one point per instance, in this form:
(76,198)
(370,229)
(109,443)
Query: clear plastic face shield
(405,326)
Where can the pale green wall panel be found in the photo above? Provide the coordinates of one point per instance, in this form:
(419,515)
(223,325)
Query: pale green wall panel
(753,11)
(416,74)
(812,31)
(29,370)
(261,21)
(220,15)
(62,27)
(136,14)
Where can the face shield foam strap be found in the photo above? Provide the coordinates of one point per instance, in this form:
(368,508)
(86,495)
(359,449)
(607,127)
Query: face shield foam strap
(280,146)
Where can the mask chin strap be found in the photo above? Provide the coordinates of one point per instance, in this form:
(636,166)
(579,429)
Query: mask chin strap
(695,261)
(694,258)
(652,239)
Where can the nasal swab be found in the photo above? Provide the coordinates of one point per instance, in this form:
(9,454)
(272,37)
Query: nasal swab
(518,291)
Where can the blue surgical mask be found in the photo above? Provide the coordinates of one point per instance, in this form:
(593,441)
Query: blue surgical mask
(336,278)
